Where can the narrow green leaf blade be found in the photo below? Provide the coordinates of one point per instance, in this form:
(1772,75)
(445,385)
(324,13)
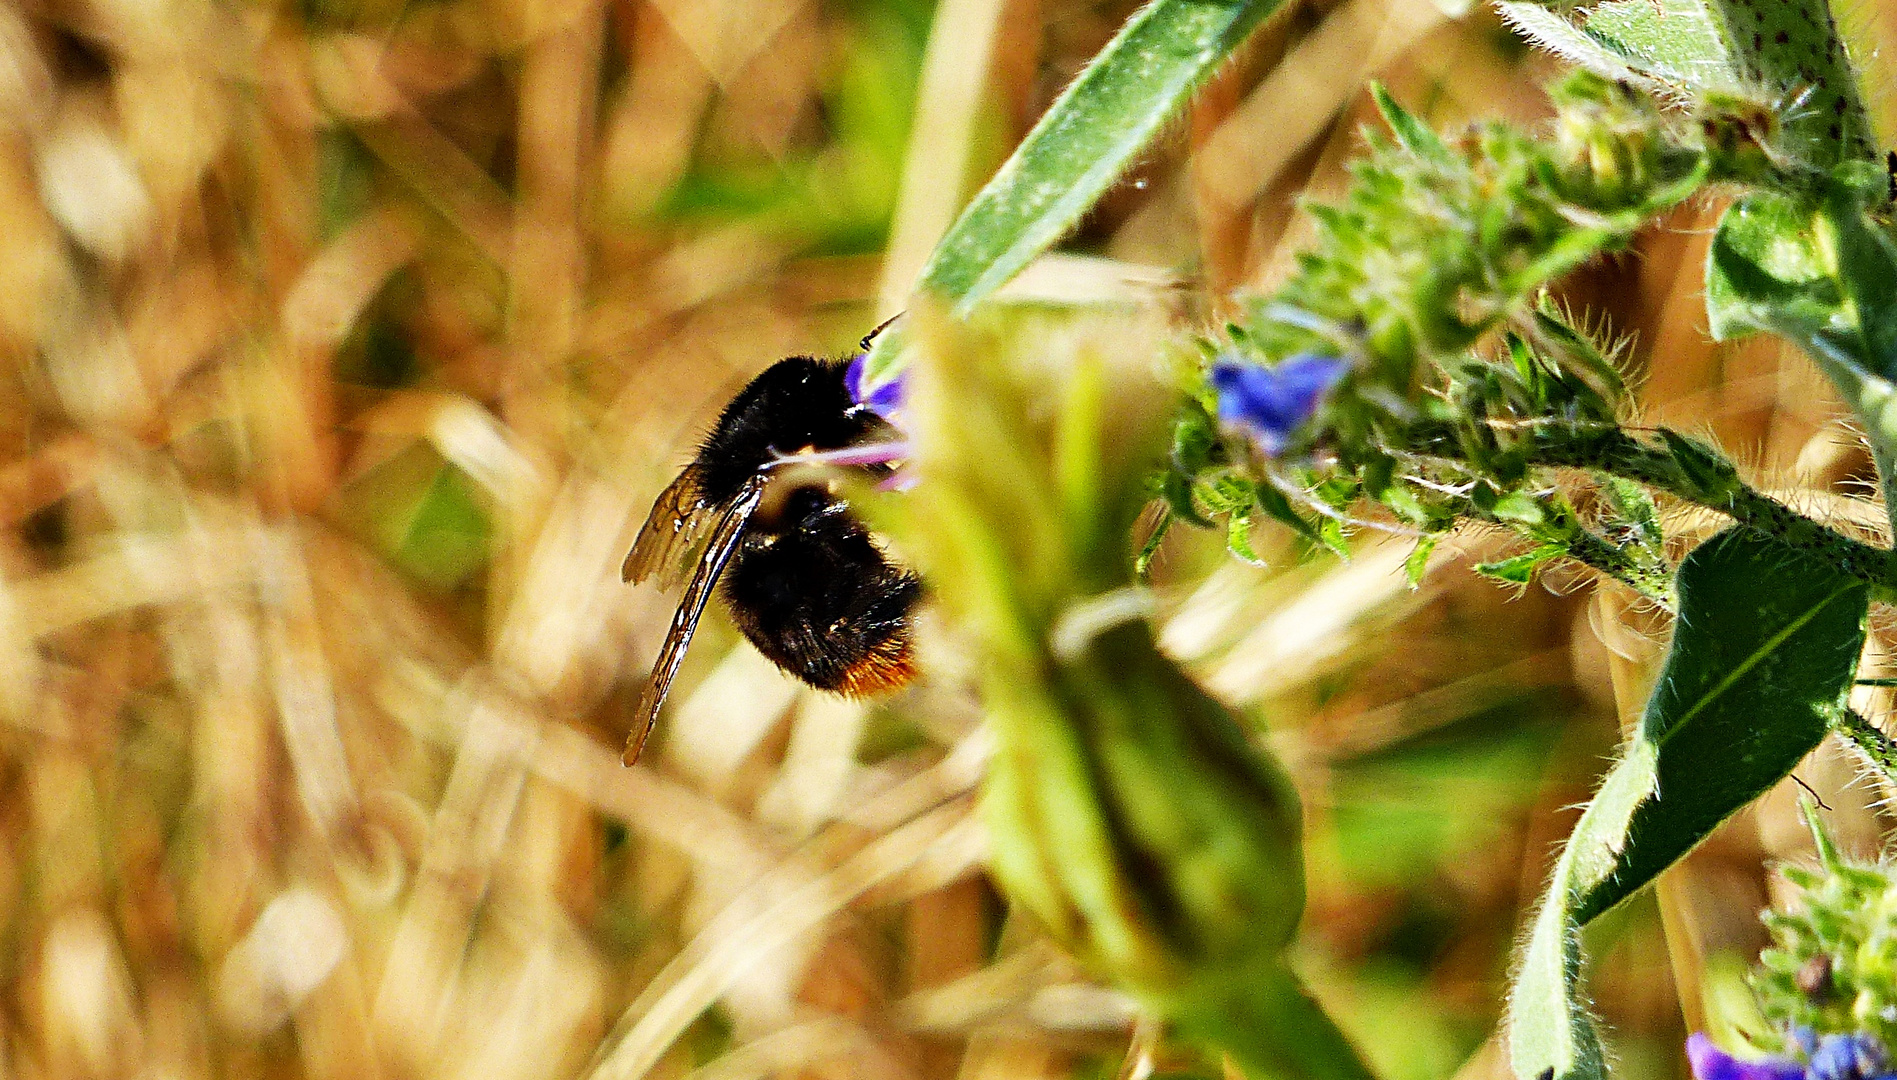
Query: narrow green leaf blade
(1671,44)
(1412,134)
(1766,638)
(1675,40)
(1085,141)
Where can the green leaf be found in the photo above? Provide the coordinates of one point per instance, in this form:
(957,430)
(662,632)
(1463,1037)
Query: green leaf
(1674,43)
(1519,569)
(1674,40)
(1412,134)
(1278,508)
(1767,638)
(1573,348)
(1143,562)
(1176,488)
(1417,563)
(1110,113)
(1238,536)
(1764,270)
(1086,139)
(1553,32)
(1520,508)
(1228,494)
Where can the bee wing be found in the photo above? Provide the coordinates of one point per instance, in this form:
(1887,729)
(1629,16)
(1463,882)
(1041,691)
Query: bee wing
(718,552)
(679,520)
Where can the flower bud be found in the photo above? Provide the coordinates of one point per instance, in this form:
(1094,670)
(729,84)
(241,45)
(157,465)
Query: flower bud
(1128,813)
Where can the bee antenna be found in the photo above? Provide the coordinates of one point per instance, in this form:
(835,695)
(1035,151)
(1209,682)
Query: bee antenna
(870,337)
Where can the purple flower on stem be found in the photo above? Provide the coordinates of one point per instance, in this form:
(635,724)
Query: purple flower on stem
(1273,402)
(1846,1057)
(884,399)
(1711,1063)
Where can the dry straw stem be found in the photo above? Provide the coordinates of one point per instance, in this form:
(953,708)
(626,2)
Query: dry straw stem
(949,97)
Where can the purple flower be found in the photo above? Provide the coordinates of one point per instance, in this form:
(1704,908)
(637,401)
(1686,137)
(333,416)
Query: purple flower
(1273,402)
(885,399)
(1711,1063)
(1846,1057)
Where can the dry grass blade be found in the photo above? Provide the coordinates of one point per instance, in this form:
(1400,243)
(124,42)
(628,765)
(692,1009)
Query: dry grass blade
(791,901)
(1296,103)
(465,841)
(955,70)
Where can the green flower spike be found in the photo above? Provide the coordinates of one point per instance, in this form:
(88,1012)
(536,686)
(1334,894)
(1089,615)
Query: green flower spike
(1832,966)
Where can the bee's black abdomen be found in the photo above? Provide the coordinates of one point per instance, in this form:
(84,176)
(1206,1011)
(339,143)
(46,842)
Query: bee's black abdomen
(796,403)
(819,599)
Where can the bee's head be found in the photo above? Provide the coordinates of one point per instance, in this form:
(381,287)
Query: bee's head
(794,405)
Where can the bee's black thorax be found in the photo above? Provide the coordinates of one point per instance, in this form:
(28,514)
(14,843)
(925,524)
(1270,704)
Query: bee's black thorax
(795,404)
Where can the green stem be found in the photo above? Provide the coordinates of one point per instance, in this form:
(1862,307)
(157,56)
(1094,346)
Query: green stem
(1801,60)
(1691,474)
(1687,471)
(1593,551)
(1868,739)
(1886,479)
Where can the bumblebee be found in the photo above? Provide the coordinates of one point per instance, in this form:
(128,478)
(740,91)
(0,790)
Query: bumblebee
(758,507)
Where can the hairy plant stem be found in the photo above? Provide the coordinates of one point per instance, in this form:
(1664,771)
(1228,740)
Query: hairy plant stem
(1687,471)
(1868,739)
(1716,486)
(1594,551)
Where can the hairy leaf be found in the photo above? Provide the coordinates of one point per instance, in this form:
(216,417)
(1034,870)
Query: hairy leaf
(1767,638)
(1674,44)
(1105,118)
(1764,270)
(1825,276)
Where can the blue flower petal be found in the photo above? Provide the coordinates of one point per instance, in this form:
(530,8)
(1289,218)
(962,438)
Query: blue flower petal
(1273,402)
(1872,1058)
(885,399)
(1846,1057)
(1835,1059)
(1711,1063)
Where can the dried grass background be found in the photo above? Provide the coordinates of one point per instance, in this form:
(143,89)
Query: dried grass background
(345,346)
